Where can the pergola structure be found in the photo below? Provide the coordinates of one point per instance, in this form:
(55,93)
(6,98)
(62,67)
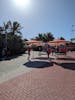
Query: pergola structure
(35,42)
(57,42)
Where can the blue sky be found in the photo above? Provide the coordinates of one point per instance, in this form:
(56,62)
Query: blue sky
(55,16)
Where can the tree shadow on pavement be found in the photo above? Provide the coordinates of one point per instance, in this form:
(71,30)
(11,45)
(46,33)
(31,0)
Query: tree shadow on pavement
(71,59)
(38,64)
(70,66)
(43,58)
(10,57)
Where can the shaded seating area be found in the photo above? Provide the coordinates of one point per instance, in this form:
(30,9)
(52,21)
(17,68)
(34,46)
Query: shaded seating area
(53,48)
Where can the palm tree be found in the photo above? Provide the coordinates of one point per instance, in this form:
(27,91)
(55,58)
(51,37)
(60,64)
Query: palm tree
(39,37)
(14,34)
(3,34)
(1,38)
(14,27)
(1,30)
(45,37)
(50,36)
(62,38)
(72,39)
(10,36)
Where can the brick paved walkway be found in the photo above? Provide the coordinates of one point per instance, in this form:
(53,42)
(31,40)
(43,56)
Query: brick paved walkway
(49,83)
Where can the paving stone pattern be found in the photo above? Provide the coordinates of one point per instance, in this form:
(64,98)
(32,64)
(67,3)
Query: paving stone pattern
(49,83)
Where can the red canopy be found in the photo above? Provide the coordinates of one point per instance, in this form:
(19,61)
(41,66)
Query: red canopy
(58,42)
(32,41)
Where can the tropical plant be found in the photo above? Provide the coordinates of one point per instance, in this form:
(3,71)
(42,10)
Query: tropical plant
(11,37)
(14,27)
(46,37)
(72,39)
(62,38)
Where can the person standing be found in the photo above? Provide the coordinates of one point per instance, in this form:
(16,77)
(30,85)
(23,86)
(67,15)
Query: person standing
(48,52)
(29,50)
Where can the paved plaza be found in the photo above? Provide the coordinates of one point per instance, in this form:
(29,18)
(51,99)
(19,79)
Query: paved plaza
(38,79)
